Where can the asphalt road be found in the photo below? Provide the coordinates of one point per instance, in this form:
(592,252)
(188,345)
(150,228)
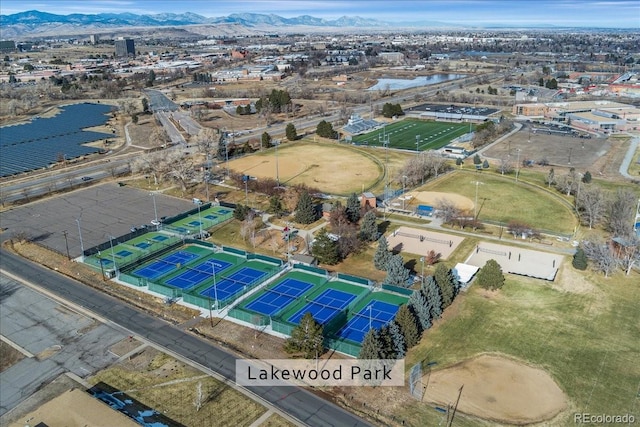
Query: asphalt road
(298,402)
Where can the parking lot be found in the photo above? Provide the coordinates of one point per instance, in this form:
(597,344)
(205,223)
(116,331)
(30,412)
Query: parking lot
(56,339)
(100,211)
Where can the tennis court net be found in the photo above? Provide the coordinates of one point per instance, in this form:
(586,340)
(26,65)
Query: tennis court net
(314,302)
(282,294)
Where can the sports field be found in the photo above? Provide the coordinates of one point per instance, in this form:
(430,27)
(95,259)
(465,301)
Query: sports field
(502,199)
(332,168)
(413,134)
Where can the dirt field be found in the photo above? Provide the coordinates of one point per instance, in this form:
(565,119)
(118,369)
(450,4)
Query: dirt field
(566,151)
(333,169)
(497,389)
(447,243)
(431,198)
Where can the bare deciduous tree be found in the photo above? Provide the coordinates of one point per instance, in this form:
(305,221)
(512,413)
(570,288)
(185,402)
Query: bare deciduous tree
(601,255)
(621,213)
(200,397)
(591,204)
(447,210)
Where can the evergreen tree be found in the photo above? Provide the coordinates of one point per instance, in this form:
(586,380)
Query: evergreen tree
(490,276)
(241,212)
(353,208)
(370,346)
(266,140)
(446,282)
(305,212)
(398,340)
(477,160)
(383,255)
(434,299)
(385,342)
(397,274)
(369,227)
(275,205)
(325,130)
(485,164)
(325,249)
(586,178)
(408,327)
(579,260)
(290,132)
(306,338)
(421,308)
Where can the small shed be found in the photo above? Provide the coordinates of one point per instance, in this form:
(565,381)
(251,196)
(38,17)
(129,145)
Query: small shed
(368,201)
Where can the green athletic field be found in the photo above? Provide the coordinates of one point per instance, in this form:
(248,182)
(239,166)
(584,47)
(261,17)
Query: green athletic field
(402,134)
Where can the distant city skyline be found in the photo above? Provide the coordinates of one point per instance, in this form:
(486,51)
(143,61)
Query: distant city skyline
(515,13)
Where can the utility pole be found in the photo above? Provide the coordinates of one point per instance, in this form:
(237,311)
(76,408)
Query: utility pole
(80,235)
(518,164)
(455,408)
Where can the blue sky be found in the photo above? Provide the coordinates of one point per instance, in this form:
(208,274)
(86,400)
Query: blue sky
(581,13)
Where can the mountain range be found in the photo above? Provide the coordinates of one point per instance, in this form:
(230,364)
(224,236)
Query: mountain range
(36,23)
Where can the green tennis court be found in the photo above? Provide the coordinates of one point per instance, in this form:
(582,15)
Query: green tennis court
(404,134)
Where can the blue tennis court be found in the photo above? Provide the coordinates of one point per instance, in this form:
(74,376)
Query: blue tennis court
(375,315)
(229,286)
(198,273)
(278,297)
(195,223)
(143,245)
(181,229)
(211,217)
(325,306)
(124,253)
(165,265)
(159,238)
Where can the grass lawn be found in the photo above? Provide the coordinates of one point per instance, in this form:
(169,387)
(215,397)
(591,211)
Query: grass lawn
(501,199)
(404,134)
(170,387)
(583,329)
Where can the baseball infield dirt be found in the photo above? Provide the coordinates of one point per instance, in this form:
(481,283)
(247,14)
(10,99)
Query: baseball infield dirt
(497,388)
(431,198)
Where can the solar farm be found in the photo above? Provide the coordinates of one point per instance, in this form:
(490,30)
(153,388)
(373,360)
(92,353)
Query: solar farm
(415,135)
(41,142)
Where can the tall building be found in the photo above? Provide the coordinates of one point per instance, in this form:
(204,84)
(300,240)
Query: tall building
(93,38)
(125,48)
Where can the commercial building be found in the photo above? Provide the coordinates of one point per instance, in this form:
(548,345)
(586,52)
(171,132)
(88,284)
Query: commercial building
(125,48)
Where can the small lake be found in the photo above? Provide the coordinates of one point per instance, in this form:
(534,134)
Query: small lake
(400,84)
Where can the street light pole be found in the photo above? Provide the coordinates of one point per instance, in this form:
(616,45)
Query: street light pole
(404,179)
(370,307)
(155,209)
(417,143)
(113,256)
(199,219)
(422,273)
(277,173)
(80,235)
(215,290)
(517,164)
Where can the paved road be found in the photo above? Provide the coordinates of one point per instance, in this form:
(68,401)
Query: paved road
(299,403)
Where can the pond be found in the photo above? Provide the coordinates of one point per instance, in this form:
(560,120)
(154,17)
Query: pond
(400,84)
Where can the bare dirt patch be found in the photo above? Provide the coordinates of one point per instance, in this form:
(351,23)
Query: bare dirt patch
(431,198)
(497,388)
(9,356)
(329,167)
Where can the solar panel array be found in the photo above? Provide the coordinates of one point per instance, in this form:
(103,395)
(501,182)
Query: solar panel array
(39,143)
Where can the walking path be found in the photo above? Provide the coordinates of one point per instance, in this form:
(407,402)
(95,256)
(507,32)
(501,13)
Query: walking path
(624,166)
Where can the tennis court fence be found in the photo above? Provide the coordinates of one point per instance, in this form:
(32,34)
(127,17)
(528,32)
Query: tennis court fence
(315,270)
(255,319)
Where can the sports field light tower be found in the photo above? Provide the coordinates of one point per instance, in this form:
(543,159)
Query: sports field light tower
(80,236)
